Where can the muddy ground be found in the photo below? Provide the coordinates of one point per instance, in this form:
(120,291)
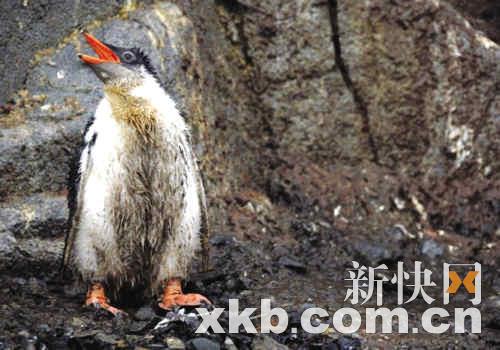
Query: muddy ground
(305,268)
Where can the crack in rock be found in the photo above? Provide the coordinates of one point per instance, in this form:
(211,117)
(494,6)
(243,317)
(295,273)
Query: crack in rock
(344,71)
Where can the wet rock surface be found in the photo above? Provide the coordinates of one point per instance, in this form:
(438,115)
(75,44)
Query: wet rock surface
(327,132)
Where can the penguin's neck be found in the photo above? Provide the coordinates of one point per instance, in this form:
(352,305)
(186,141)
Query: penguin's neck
(134,111)
(146,107)
(170,116)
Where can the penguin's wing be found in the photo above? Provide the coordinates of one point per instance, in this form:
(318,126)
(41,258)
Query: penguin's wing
(205,225)
(78,168)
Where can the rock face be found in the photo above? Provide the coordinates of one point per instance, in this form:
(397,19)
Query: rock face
(30,26)
(369,114)
(429,85)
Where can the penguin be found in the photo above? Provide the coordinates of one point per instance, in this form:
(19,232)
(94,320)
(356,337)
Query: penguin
(137,207)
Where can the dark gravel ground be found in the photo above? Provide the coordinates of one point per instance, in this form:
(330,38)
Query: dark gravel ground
(41,312)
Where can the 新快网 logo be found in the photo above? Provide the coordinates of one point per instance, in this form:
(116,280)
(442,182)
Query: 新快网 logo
(365,283)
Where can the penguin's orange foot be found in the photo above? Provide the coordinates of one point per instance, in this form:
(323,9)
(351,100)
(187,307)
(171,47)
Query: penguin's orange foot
(192,299)
(97,298)
(173,296)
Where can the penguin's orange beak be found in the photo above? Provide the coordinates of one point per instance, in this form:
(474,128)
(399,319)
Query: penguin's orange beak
(104,53)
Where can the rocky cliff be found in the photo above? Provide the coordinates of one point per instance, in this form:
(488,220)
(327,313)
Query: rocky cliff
(392,106)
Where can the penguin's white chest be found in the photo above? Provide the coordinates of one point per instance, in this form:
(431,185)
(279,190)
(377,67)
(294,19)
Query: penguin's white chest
(102,170)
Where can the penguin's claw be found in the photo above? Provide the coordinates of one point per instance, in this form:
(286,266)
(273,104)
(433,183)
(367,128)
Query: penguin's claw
(192,299)
(105,306)
(97,299)
(173,296)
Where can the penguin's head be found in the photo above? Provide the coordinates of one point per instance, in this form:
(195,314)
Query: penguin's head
(117,65)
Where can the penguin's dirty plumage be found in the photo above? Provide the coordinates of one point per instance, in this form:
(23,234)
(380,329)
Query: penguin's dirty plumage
(137,203)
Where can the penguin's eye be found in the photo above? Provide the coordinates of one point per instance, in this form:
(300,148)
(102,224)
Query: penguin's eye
(128,56)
